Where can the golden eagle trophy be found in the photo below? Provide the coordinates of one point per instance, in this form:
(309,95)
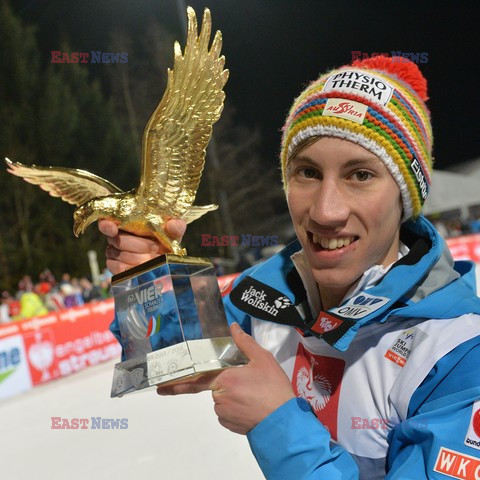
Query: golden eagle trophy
(169,313)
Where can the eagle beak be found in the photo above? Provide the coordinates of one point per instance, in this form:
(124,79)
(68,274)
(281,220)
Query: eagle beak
(77,229)
(82,218)
(77,226)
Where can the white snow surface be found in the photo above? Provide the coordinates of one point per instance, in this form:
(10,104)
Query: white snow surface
(167,437)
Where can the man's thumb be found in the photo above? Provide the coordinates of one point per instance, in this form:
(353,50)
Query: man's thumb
(245,343)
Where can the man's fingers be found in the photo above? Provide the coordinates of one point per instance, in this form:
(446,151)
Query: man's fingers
(176,228)
(108,228)
(132,243)
(129,258)
(245,342)
(194,384)
(181,388)
(117,267)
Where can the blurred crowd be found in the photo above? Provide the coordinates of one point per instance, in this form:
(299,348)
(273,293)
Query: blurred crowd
(456,227)
(47,294)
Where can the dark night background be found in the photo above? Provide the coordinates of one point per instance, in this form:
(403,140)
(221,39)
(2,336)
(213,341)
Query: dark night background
(91,115)
(274,47)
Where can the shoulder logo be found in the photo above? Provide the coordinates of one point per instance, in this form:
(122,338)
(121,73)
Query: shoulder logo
(282,302)
(266,303)
(261,299)
(258,299)
(472,438)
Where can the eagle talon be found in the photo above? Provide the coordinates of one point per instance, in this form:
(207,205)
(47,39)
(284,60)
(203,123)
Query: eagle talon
(177,249)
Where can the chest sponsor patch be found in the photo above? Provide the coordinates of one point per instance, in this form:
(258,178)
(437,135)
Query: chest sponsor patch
(473,435)
(318,379)
(348,109)
(325,323)
(360,306)
(402,347)
(457,465)
(369,86)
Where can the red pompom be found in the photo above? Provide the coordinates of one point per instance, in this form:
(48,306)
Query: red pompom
(401,67)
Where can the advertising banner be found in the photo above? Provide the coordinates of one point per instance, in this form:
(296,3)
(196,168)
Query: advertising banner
(40,349)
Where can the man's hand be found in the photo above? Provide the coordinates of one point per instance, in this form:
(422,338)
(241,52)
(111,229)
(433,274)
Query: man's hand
(126,250)
(243,396)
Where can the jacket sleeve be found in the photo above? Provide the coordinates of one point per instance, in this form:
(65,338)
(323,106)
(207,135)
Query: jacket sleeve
(292,444)
(437,441)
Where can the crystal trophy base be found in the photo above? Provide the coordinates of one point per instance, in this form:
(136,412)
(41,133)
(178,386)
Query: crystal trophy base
(172,324)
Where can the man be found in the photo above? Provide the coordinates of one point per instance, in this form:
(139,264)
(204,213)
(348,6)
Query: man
(366,362)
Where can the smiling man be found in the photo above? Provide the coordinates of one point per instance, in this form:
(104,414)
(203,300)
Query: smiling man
(364,349)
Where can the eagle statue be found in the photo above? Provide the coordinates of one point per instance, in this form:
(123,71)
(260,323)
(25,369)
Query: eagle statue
(174,145)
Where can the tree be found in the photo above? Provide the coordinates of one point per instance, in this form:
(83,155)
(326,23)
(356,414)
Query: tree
(50,115)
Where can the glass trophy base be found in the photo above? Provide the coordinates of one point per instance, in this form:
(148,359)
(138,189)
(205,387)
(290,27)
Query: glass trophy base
(168,365)
(172,323)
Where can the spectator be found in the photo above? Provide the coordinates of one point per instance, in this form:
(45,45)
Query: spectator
(25,285)
(69,295)
(475,225)
(90,292)
(4,308)
(31,305)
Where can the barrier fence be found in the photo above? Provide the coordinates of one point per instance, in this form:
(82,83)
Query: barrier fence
(40,349)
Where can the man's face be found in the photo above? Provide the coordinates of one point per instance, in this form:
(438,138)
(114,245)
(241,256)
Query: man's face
(346,210)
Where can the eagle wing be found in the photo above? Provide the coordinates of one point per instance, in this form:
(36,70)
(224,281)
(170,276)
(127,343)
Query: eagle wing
(71,185)
(176,136)
(194,213)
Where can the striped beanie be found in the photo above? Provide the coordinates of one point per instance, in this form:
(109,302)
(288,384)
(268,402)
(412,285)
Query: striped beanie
(377,103)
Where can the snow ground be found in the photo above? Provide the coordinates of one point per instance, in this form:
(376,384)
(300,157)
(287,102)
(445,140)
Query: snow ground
(167,437)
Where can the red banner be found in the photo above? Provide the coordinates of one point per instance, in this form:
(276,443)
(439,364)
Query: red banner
(465,247)
(40,349)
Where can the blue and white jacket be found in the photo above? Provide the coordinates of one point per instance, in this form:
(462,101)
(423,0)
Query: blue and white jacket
(388,384)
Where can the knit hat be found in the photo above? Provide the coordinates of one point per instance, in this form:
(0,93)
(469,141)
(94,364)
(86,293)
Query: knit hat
(377,103)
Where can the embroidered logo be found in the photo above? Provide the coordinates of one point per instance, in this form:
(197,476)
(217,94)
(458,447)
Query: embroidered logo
(473,435)
(401,348)
(318,380)
(349,109)
(257,299)
(351,81)
(282,302)
(360,306)
(420,176)
(325,323)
